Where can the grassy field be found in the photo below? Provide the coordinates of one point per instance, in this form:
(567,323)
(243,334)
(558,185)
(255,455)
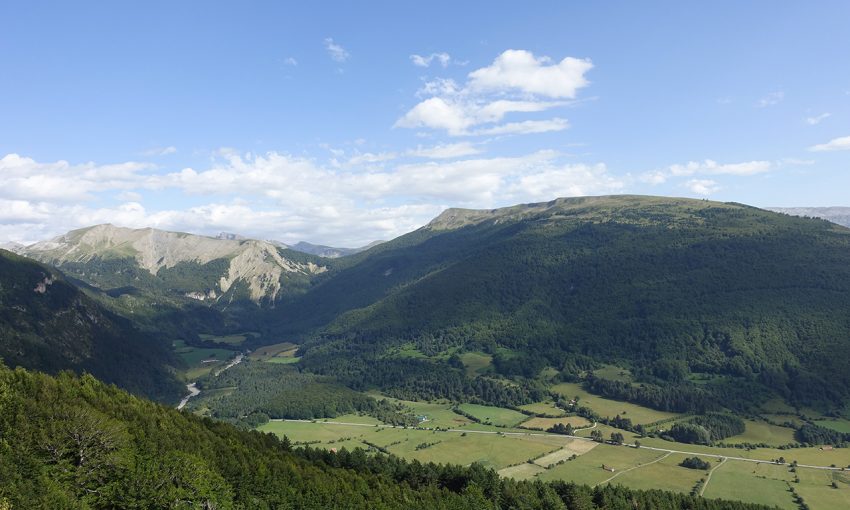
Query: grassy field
(761,432)
(235,339)
(522,471)
(640,468)
(494,415)
(194,358)
(839,425)
(492,450)
(613,373)
(476,362)
(546,423)
(266,352)
(665,474)
(611,408)
(548,408)
(587,468)
(745,481)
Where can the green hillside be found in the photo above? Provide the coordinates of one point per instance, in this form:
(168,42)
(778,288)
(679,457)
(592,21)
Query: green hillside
(750,302)
(48,324)
(76,443)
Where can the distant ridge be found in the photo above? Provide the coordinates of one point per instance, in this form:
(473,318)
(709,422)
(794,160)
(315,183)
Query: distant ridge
(839,215)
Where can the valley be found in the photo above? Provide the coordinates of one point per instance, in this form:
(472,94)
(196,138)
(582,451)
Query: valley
(601,341)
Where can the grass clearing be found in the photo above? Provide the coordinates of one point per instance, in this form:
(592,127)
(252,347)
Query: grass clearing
(665,474)
(837,425)
(523,471)
(744,481)
(613,373)
(436,414)
(588,469)
(235,339)
(267,352)
(476,362)
(573,447)
(761,432)
(548,408)
(494,415)
(547,423)
(610,408)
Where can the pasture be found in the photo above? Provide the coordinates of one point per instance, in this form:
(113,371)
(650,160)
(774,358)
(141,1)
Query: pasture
(610,408)
(494,415)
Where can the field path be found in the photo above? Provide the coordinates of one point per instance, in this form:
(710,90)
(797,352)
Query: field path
(659,459)
(545,434)
(708,478)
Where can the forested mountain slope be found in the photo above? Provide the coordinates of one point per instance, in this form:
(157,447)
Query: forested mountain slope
(671,287)
(48,324)
(76,443)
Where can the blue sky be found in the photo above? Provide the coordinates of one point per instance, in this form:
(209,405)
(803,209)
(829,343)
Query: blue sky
(341,123)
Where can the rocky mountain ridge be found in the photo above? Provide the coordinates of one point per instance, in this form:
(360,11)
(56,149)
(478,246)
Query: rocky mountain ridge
(260,265)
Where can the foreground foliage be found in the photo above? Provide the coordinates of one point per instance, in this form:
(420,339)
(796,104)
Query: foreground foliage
(69,442)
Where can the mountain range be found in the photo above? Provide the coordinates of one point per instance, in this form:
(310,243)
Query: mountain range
(754,303)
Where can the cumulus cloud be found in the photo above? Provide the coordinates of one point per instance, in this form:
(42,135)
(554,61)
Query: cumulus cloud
(703,187)
(706,167)
(60,181)
(425,61)
(520,70)
(285,197)
(836,144)
(336,52)
(516,82)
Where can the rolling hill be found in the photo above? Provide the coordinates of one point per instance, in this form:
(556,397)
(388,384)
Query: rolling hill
(754,302)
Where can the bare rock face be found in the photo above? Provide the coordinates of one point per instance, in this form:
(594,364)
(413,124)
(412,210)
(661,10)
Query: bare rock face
(259,264)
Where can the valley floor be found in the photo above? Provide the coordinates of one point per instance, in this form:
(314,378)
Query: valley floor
(752,475)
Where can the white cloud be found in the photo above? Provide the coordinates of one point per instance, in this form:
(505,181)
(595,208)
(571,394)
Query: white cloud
(706,167)
(286,197)
(437,113)
(425,61)
(771,99)
(24,178)
(160,151)
(702,186)
(516,82)
(714,168)
(336,52)
(526,127)
(369,157)
(290,61)
(836,144)
(445,151)
(520,70)
(817,119)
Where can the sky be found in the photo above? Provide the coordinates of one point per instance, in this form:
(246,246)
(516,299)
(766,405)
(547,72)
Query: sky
(341,123)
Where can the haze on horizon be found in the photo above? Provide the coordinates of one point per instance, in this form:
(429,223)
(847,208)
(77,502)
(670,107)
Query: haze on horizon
(345,124)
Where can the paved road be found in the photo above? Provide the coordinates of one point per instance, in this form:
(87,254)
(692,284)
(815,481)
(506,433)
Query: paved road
(625,445)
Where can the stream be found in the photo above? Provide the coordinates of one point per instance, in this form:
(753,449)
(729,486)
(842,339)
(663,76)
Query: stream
(193,388)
